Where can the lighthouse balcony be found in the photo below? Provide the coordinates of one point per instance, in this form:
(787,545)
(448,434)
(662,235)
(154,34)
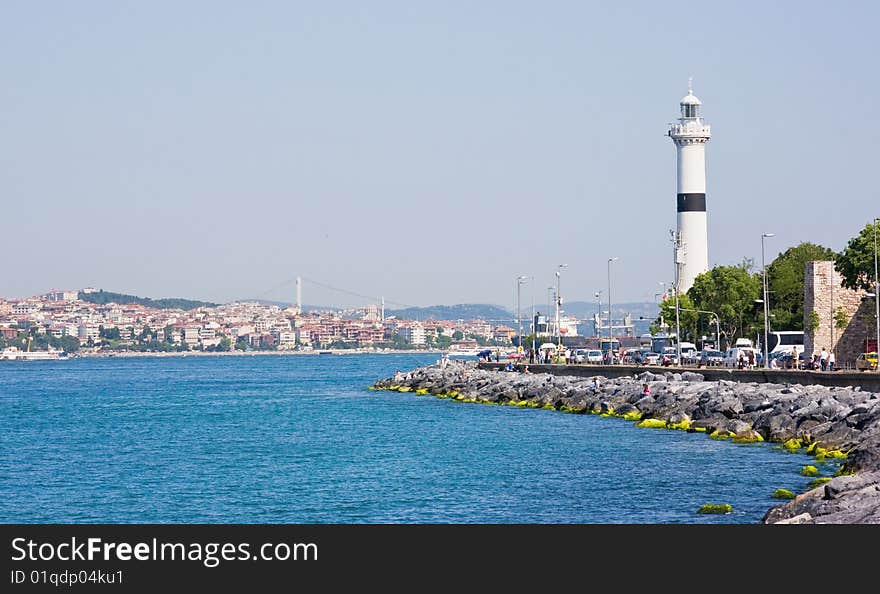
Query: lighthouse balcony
(690,130)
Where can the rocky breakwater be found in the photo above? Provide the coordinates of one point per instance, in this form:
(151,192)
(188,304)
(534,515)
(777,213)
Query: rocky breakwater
(826,422)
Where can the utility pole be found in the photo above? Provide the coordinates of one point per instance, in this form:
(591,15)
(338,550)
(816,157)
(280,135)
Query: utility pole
(767,308)
(558,306)
(876,293)
(679,253)
(534,324)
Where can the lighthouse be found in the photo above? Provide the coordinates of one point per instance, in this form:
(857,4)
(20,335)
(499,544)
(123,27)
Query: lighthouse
(690,136)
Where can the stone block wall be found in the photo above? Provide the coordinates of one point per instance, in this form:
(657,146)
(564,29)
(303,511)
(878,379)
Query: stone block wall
(824,295)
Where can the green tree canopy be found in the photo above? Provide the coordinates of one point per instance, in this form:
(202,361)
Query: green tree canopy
(688,319)
(785,283)
(856,263)
(729,291)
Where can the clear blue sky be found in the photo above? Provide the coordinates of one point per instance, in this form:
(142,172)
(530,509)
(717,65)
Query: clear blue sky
(427,152)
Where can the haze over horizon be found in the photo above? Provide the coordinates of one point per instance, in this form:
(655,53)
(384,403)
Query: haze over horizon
(425,154)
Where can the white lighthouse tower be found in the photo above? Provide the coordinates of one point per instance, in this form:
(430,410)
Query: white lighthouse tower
(690,136)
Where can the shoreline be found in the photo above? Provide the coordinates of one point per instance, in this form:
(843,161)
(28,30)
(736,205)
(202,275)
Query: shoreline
(137,354)
(827,422)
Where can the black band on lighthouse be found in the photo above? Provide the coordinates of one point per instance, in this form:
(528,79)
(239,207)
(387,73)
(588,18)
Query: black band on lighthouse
(691,203)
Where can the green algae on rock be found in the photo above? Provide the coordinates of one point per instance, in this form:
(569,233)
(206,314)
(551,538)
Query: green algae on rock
(783,494)
(818,481)
(715,508)
(652,423)
(810,470)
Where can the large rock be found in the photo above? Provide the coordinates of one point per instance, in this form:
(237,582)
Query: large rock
(690,376)
(781,428)
(730,407)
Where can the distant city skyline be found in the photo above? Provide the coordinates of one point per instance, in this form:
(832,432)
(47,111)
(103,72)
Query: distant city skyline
(425,154)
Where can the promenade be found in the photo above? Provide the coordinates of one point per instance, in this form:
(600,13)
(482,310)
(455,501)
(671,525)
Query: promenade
(867,380)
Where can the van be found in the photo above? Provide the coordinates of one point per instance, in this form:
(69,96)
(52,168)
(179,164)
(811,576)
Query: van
(688,352)
(731,357)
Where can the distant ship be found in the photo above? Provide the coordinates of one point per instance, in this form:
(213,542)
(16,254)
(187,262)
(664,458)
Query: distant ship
(14,354)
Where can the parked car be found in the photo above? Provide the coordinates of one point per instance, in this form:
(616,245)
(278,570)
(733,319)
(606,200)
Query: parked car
(711,358)
(579,356)
(633,356)
(866,362)
(651,358)
(594,356)
(669,359)
(690,356)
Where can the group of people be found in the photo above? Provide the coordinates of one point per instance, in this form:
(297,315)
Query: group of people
(746,361)
(823,361)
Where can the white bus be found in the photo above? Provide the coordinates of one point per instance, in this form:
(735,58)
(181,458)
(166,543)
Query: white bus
(784,340)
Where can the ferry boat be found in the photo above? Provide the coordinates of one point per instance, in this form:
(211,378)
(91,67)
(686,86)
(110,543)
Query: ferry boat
(478,352)
(14,354)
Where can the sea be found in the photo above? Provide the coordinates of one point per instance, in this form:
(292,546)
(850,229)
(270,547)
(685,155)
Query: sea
(301,439)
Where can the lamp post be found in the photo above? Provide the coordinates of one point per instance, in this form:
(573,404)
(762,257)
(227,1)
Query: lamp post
(610,327)
(519,281)
(766,308)
(876,293)
(558,304)
(678,257)
(534,326)
(598,296)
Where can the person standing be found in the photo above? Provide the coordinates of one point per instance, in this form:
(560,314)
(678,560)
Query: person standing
(823,359)
(831,362)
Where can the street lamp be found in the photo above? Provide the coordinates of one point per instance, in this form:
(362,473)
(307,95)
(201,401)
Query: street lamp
(876,293)
(766,308)
(558,304)
(519,281)
(598,296)
(610,327)
(534,326)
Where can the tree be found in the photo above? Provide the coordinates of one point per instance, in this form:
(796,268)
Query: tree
(687,318)
(442,341)
(785,283)
(814,323)
(729,291)
(856,263)
(109,333)
(457,335)
(69,344)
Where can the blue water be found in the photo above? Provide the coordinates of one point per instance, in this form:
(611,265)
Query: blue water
(299,439)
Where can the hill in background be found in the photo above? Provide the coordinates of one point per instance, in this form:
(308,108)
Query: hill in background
(461,311)
(103,297)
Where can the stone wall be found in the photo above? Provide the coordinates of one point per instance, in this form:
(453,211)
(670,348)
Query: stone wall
(824,295)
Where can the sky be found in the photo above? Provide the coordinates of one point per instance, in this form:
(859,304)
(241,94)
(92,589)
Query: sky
(425,152)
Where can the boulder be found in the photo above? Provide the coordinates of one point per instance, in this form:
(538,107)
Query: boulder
(737,426)
(690,376)
(781,428)
(757,405)
(730,407)
(710,424)
(645,404)
(626,408)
